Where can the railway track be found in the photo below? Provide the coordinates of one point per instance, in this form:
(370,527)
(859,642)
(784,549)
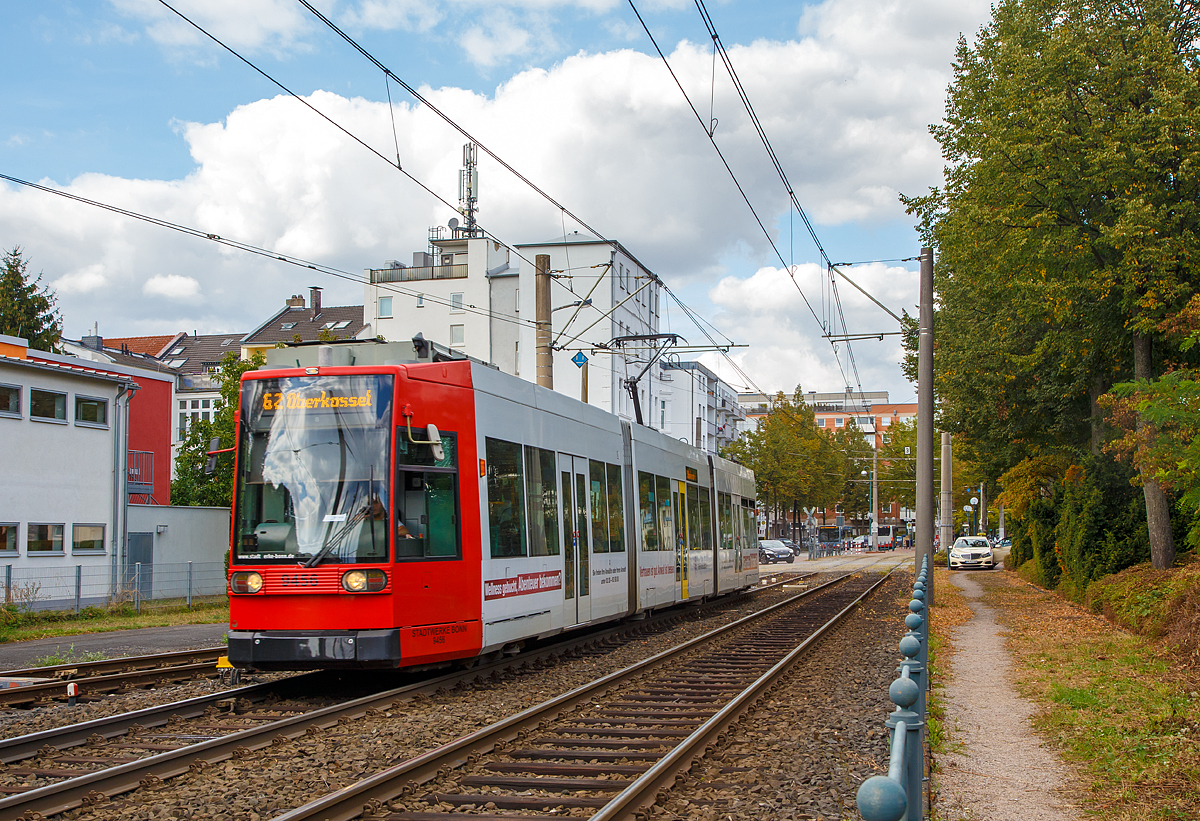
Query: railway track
(85,762)
(94,678)
(608,748)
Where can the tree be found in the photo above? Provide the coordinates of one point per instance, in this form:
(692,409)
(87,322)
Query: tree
(192,486)
(27,310)
(1068,225)
(790,457)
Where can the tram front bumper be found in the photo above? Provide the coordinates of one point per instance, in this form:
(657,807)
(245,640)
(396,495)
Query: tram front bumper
(314,649)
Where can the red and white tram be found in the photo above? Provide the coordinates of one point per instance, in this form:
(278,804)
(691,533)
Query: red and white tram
(413,514)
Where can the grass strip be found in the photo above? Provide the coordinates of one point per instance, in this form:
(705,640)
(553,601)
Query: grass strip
(1118,706)
(100,620)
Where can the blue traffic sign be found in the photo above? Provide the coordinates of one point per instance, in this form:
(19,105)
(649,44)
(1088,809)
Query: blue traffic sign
(579,359)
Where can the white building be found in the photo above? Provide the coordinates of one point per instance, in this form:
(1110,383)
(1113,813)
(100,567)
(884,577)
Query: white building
(61,500)
(698,406)
(475,296)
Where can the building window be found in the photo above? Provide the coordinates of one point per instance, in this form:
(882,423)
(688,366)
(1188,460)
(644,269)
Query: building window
(44,539)
(91,411)
(458,336)
(176,363)
(8,538)
(887,421)
(385,307)
(10,400)
(456,303)
(287,326)
(838,422)
(87,539)
(47,405)
(820,423)
(662,414)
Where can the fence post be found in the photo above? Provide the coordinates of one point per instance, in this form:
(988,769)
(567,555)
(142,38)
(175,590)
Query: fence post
(78,586)
(189,600)
(8,584)
(137,587)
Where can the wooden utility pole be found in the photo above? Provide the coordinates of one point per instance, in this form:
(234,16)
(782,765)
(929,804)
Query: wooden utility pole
(541,290)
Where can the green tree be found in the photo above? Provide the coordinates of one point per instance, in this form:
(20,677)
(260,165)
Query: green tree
(790,458)
(192,486)
(1068,226)
(26,309)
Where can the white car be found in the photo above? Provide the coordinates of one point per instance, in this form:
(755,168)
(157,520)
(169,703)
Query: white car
(972,551)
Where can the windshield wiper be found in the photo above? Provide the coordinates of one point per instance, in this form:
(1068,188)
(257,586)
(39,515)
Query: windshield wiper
(336,537)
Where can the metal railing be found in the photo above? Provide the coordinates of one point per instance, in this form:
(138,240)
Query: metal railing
(417,274)
(74,587)
(899,795)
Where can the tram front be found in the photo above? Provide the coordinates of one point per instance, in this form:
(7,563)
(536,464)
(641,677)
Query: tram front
(310,566)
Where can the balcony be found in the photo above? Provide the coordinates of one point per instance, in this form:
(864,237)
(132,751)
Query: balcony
(428,272)
(140,473)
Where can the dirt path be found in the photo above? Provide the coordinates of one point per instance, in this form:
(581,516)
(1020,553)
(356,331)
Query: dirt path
(1003,773)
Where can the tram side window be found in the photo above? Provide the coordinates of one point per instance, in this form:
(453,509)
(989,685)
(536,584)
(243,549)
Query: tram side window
(506,498)
(706,539)
(542,495)
(666,514)
(647,512)
(427,500)
(599,494)
(725,520)
(693,517)
(616,509)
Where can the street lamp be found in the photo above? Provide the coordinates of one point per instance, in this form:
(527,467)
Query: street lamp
(970,511)
(974,504)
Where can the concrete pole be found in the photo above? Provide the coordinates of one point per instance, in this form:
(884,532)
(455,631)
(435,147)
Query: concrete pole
(925,507)
(983,519)
(875,500)
(946,534)
(541,290)
(1000,530)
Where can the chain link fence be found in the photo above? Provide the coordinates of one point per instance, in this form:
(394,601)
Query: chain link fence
(141,586)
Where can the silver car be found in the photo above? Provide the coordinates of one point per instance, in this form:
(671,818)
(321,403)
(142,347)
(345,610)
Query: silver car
(972,551)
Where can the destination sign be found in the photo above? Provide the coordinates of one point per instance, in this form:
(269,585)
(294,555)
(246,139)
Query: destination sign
(295,400)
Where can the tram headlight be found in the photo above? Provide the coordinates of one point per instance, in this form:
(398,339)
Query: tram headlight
(245,581)
(364,581)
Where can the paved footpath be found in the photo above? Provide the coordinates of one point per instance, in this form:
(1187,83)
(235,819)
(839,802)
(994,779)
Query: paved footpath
(143,641)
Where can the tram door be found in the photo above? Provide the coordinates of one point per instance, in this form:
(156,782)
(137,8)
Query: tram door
(681,552)
(576,547)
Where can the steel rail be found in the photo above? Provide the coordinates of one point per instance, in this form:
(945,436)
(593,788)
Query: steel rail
(117,665)
(371,793)
(65,795)
(62,738)
(104,684)
(644,790)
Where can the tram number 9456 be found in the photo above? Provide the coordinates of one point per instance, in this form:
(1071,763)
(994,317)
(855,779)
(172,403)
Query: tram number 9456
(299,580)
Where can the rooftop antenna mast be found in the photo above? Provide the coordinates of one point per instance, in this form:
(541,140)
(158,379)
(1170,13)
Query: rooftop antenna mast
(468,189)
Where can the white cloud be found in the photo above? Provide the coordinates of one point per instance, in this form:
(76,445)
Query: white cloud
(607,134)
(496,40)
(172,286)
(787,348)
(244,24)
(83,281)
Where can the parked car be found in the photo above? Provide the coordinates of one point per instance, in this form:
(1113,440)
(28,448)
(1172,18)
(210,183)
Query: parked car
(971,551)
(792,546)
(771,551)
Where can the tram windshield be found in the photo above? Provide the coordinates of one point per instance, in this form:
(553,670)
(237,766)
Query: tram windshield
(312,483)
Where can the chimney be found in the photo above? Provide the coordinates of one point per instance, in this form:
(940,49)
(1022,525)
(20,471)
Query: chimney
(314,300)
(296,301)
(95,342)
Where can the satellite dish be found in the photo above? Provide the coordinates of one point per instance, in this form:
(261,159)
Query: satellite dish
(453,223)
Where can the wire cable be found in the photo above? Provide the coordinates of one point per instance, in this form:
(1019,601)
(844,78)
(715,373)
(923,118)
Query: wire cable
(263,252)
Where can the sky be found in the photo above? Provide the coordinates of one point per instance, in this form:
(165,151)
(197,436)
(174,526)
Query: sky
(123,102)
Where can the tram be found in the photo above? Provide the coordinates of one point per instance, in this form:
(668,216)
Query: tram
(414,514)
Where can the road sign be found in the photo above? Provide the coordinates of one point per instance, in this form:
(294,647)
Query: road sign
(579,359)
